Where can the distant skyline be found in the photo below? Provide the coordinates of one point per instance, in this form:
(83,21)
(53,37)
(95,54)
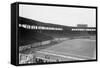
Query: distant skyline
(68,16)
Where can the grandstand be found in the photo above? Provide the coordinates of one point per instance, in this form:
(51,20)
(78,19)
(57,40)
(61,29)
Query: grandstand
(28,35)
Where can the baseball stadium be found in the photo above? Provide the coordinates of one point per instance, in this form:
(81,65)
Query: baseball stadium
(41,42)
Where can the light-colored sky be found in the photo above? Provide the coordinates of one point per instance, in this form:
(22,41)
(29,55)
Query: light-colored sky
(69,16)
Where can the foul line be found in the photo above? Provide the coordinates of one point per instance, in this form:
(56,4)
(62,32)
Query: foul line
(61,55)
(69,54)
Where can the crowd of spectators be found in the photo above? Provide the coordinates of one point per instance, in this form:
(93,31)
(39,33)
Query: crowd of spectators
(25,59)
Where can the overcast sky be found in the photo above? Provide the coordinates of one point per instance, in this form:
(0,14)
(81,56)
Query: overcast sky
(69,16)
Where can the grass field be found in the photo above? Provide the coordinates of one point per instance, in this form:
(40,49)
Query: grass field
(76,49)
(67,50)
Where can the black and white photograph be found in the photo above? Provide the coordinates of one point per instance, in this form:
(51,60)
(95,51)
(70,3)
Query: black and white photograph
(53,34)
